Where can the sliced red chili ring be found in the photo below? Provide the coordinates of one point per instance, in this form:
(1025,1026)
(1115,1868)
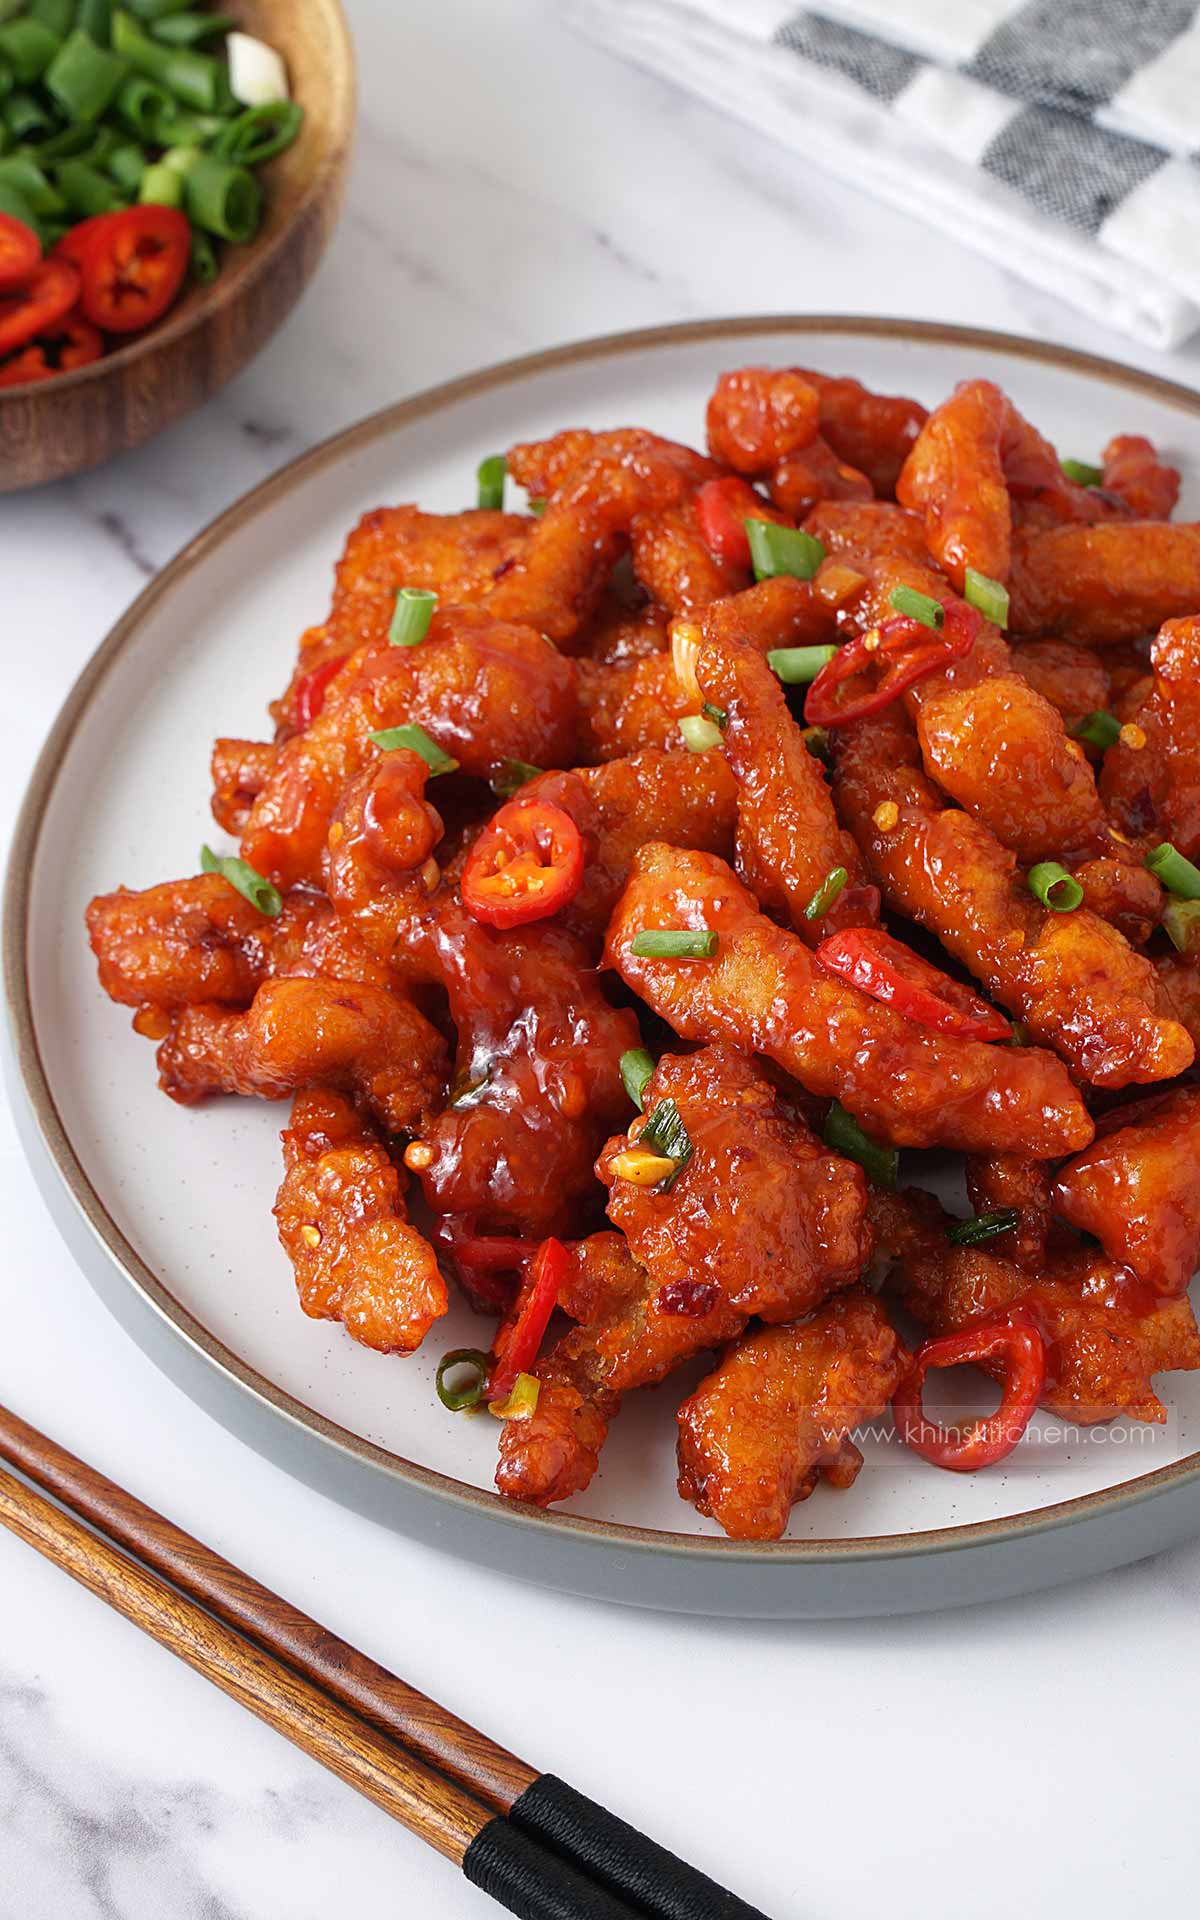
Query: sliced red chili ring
(722,508)
(20,251)
(71,343)
(908,651)
(309,695)
(1017,1346)
(37,306)
(132,266)
(527,864)
(518,1342)
(487,1262)
(889,971)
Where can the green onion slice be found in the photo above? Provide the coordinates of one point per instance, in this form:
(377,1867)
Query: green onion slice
(675,943)
(796,666)
(522,1399)
(665,1133)
(83,77)
(410,622)
(698,733)
(1098,728)
(982,1227)
(460,1399)
(417,741)
(1176,872)
(537,507)
(1054,886)
(845,1136)
(223,198)
(919,606)
(636,1067)
(1080,471)
(717,715)
(826,893)
(189,29)
(987,596)
(490,477)
(240,874)
(782,550)
(259,133)
(512,776)
(1181,924)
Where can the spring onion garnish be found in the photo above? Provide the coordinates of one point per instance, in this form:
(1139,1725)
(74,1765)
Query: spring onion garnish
(490,475)
(664,1133)
(1099,729)
(410,622)
(636,1067)
(417,741)
(782,550)
(257,75)
(987,596)
(675,943)
(1177,873)
(189,29)
(1082,473)
(717,715)
(83,77)
(796,666)
(223,198)
(460,1399)
(918,606)
(259,133)
(160,186)
(537,507)
(521,1401)
(826,893)
(512,776)
(698,733)
(1181,923)
(194,78)
(845,1136)
(982,1227)
(86,190)
(28,48)
(1054,886)
(205,265)
(240,874)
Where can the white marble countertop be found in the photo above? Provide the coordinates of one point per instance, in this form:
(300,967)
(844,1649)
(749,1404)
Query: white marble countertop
(515,188)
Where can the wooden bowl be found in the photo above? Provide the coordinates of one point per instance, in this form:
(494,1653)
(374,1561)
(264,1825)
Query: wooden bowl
(58,427)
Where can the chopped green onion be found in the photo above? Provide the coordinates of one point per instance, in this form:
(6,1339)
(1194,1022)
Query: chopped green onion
(417,741)
(675,943)
(17,207)
(1099,729)
(142,106)
(1054,886)
(223,199)
(665,1133)
(161,186)
(8,81)
(490,477)
(84,78)
(782,550)
(86,191)
(152,10)
(1181,923)
(1177,873)
(28,48)
(987,596)
(522,1399)
(512,776)
(636,1068)
(410,622)
(717,715)
(240,874)
(173,126)
(537,507)
(845,1136)
(58,15)
(24,115)
(460,1399)
(826,893)
(195,78)
(698,733)
(796,666)
(127,165)
(982,1227)
(259,133)
(919,606)
(1080,471)
(205,266)
(189,29)
(18,171)
(95,18)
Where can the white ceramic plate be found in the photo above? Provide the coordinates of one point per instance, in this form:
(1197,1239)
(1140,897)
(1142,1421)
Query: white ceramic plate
(169,1208)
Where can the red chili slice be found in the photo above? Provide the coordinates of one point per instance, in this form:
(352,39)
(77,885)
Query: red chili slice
(488,1263)
(1016,1343)
(518,1342)
(39,305)
(722,507)
(73,245)
(907,649)
(887,970)
(132,266)
(20,251)
(309,696)
(527,864)
(60,349)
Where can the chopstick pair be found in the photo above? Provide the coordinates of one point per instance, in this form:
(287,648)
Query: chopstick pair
(538,1847)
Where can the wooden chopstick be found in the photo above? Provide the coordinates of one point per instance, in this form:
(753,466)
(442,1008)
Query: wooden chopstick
(541,1809)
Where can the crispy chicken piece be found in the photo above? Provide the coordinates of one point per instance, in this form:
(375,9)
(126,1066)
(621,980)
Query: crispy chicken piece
(343,1225)
(299,1033)
(1071,978)
(1104,584)
(619,634)
(866,531)
(240,771)
(1123,893)
(1000,1180)
(788,836)
(537,1072)
(850,444)
(803,480)
(1137,1189)
(1144,483)
(1151,782)
(873,432)
(1178,976)
(379,865)
(1071,678)
(1106,1335)
(757,416)
(543,466)
(486,691)
(777,1414)
(675,565)
(712,1262)
(764,992)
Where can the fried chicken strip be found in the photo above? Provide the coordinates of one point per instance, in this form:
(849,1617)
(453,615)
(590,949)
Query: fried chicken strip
(1137,1189)
(1105,584)
(1151,783)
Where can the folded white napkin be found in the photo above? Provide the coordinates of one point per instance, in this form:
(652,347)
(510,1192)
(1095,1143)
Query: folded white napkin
(1056,136)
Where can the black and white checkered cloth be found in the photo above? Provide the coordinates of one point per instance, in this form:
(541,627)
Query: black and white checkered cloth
(1061,137)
